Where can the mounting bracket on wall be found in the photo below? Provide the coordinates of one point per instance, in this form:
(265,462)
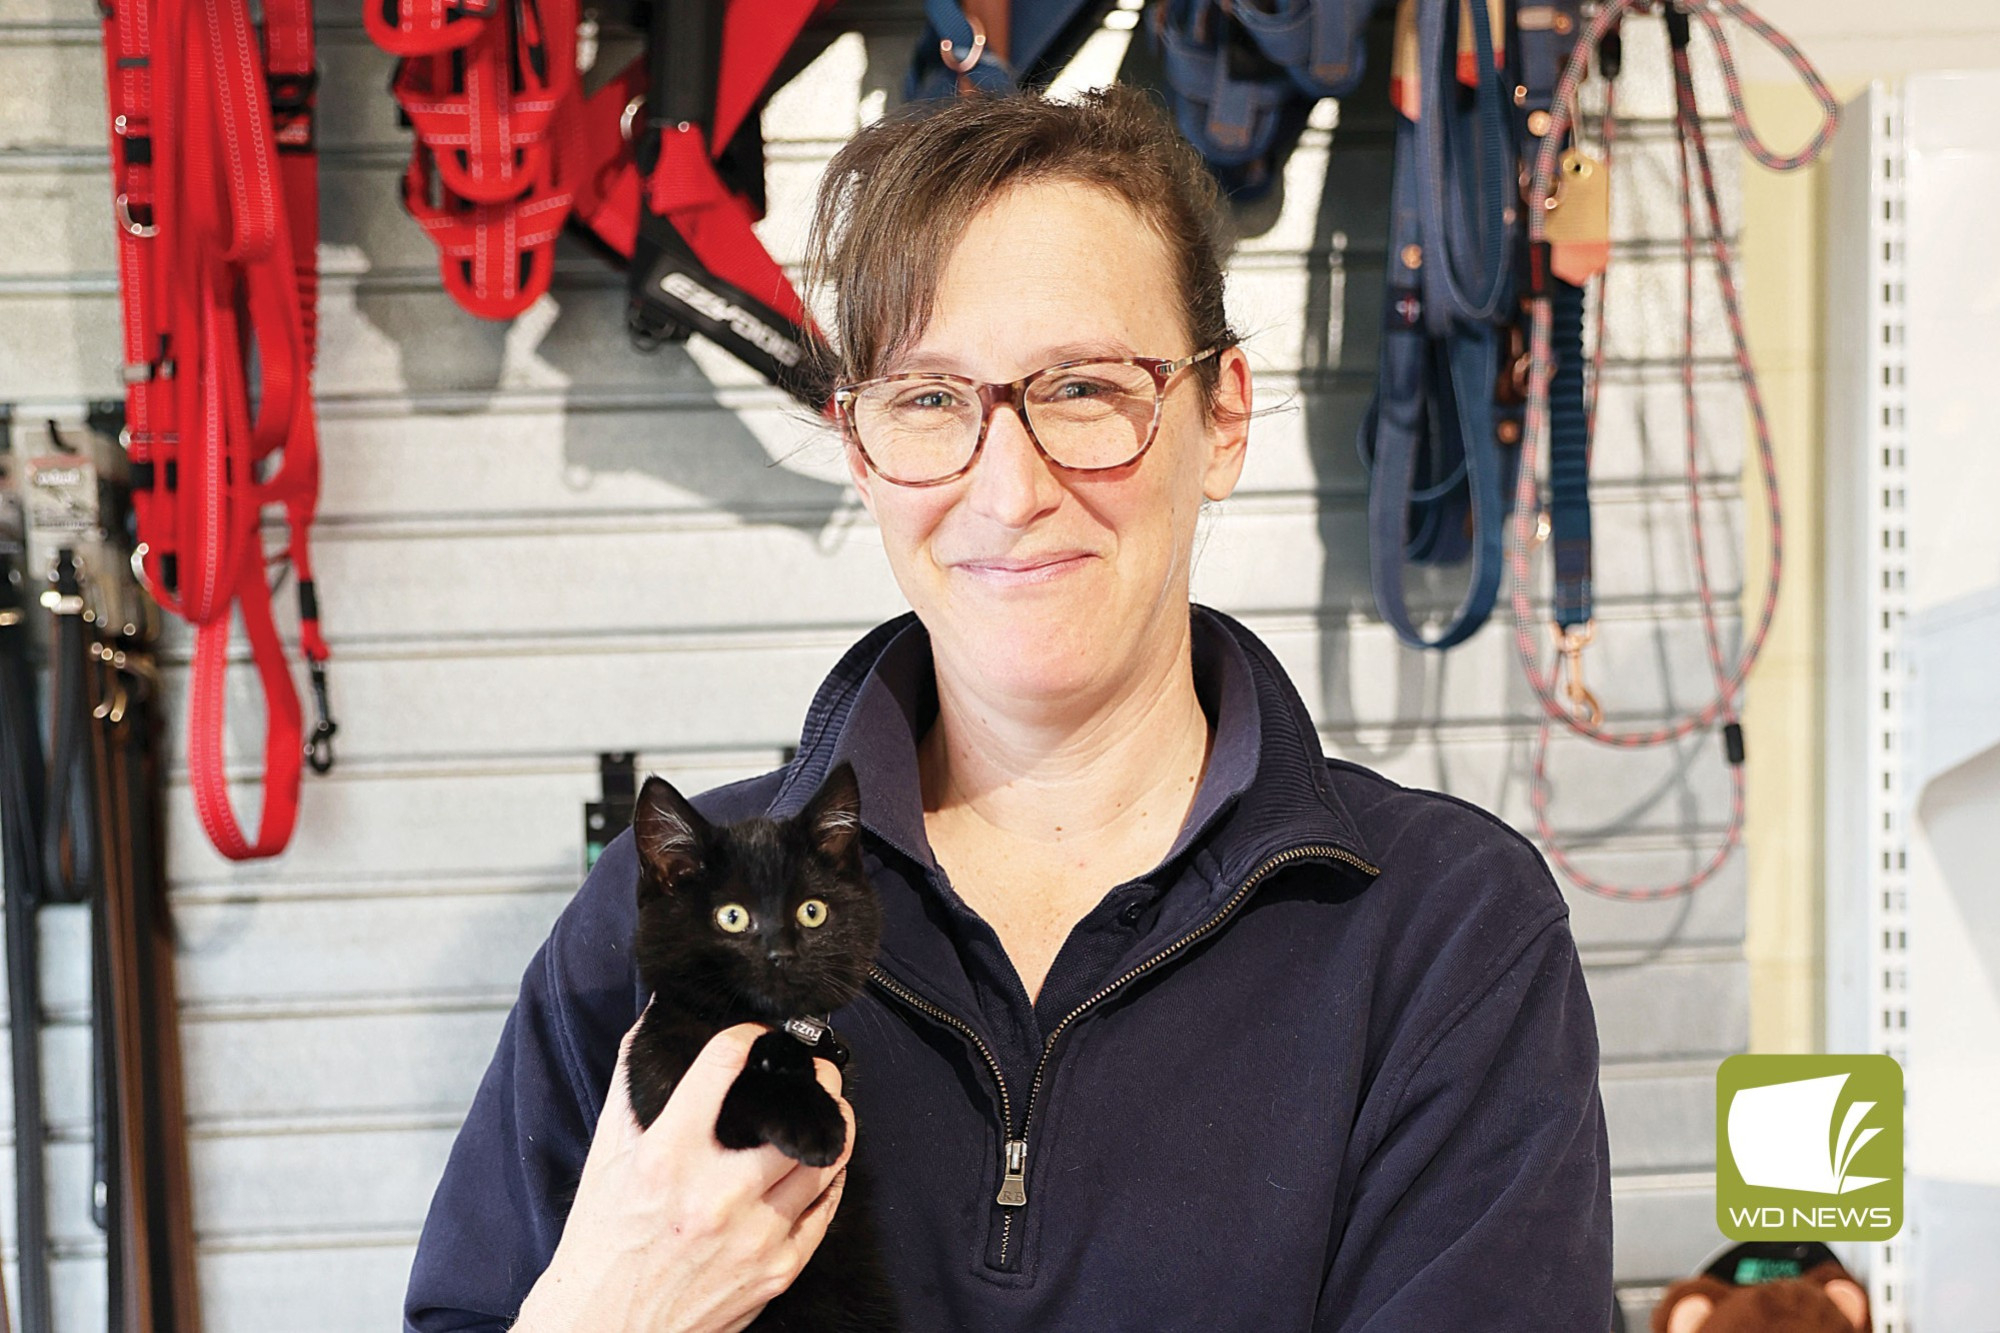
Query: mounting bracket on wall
(611,813)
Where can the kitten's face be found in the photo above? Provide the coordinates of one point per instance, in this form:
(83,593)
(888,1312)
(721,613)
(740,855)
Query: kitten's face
(773,916)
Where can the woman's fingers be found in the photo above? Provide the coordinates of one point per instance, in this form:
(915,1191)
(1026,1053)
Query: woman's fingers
(671,1229)
(685,1131)
(811,1227)
(828,1074)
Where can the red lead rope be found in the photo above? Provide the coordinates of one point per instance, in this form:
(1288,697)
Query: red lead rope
(217,203)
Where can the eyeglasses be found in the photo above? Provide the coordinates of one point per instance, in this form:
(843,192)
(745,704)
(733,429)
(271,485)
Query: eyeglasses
(924,428)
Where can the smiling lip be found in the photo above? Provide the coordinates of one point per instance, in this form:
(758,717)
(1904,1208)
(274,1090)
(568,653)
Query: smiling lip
(1036,570)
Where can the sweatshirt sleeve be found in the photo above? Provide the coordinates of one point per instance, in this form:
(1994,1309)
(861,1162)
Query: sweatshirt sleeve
(1485,1200)
(499,1209)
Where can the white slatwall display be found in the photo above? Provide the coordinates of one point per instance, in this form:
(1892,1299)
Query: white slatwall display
(537,544)
(1868,850)
(1913,625)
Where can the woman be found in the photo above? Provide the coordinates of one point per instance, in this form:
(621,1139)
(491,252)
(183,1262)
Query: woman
(1244,1038)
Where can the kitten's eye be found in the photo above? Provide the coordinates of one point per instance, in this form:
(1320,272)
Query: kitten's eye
(812,912)
(732,917)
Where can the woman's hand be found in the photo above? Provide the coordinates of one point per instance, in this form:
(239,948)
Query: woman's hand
(672,1231)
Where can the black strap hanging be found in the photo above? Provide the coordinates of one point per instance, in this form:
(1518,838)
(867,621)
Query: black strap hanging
(21,798)
(88,830)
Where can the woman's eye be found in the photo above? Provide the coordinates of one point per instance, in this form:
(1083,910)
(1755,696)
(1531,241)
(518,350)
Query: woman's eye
(1075,389)
(733,917)
(932,399)
(812,912)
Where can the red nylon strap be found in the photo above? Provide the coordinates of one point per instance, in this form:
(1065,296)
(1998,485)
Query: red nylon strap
(296,483)
(684,186)
(496,259)
(607,180)
(423,27)
(207,708)
(755,37)
(715,223)
(150,439)
(218,232)
(484,112)
(685,189)
(480,181)
(484,180)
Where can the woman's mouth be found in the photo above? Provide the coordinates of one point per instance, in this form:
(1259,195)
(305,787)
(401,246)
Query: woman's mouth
(1016,573)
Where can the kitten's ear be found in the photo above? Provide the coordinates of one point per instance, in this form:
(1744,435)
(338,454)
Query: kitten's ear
(833,815)
(670,835)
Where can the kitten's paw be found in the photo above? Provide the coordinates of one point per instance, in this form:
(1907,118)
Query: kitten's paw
(814,1134)
(795,1116)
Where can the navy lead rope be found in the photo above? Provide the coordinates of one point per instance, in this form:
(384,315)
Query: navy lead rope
(1569,459)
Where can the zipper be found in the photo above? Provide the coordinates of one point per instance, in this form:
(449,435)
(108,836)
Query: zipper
(1013,1192)
(1014,1174)
(1320,850)
(1013,1152)
(918,1002)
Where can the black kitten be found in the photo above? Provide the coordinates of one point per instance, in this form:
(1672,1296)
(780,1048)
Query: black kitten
(763,921)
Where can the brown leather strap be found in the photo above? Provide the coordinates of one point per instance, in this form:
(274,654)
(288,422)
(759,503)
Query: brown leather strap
(153,1251)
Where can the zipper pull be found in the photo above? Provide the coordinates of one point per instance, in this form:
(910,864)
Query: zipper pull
(1014,1188)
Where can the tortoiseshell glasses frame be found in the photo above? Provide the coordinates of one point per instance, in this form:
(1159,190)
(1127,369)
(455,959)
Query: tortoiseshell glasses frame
(1017,395)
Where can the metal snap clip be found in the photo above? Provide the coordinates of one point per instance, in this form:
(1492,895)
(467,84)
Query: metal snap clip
(973,52)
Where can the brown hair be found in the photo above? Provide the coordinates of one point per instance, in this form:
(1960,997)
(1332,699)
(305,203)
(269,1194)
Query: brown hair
(896,199)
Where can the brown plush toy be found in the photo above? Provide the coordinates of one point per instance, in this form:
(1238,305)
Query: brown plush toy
(1821,1299)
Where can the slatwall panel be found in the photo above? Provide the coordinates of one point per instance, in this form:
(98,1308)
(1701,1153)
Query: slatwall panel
(537,544)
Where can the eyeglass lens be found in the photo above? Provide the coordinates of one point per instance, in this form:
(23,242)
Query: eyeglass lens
(1095,415)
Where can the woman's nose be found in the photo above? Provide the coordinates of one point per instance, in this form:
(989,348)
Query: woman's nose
(1012,483)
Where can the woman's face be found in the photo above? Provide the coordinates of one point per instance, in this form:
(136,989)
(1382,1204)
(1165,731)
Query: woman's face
(1047,272)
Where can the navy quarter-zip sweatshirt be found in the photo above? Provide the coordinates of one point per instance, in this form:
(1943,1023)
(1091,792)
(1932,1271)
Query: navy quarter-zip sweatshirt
(1330,1066)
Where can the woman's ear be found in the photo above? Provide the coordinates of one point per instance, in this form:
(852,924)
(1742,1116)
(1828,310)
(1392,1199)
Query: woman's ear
(1229,429)
(858,473)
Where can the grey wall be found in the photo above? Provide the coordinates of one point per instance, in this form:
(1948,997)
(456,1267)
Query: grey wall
(537,544)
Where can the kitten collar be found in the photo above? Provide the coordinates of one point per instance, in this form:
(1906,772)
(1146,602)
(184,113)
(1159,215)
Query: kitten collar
(817,1035)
